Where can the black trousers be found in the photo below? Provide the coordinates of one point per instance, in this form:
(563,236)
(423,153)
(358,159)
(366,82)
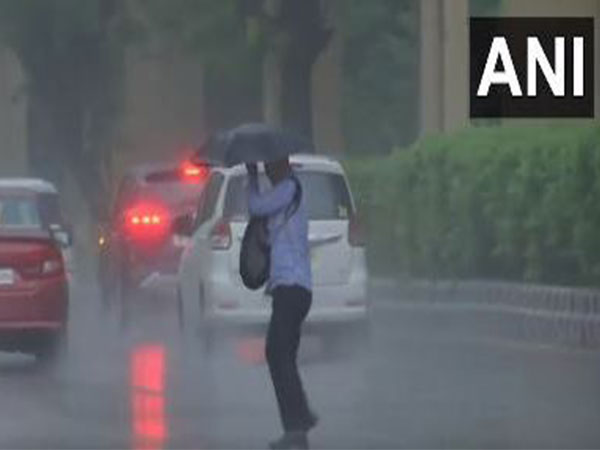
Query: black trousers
(290,307)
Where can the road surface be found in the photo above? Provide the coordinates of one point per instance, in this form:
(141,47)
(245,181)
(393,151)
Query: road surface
(432,379)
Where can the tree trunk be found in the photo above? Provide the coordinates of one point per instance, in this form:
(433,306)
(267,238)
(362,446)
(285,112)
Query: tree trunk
(44,150)
(55,124)
(327,87)
(300,37)
(271,101)
(71,106)
(296,104)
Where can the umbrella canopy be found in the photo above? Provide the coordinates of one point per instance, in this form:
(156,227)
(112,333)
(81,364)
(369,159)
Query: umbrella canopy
(257,142)
(211,150)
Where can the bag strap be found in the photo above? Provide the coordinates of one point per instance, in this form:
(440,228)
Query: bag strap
(293,206)
(296,199)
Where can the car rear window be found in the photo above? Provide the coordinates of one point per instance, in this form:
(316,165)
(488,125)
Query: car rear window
(325,194)
(19,212)
(165,187)
(164,176)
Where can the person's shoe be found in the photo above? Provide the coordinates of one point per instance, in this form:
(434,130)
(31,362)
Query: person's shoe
(290,440)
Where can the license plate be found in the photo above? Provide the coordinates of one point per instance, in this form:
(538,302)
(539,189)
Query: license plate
(7,277)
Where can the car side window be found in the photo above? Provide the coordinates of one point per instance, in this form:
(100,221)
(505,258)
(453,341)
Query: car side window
(208,199)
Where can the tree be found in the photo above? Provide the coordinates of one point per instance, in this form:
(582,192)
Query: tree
(381,74)
(231,35)
(304,35)
(295,33)
(214,33)
(72,60)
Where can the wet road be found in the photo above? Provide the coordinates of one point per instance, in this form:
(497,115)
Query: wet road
(432,379)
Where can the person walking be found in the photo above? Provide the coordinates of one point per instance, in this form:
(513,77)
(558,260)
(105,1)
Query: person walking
(290,286)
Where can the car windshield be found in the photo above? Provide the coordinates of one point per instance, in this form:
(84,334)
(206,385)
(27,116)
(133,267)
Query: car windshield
(170,193)
(19,212)
(325,194)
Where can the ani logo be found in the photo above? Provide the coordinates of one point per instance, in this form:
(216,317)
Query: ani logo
(532,67)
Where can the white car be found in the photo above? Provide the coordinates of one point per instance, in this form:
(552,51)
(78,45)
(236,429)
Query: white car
(210,289)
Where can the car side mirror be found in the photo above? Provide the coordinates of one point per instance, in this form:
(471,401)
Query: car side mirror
(61,236)
(183,225)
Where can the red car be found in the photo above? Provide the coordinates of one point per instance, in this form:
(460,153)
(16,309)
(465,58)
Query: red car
(34,294)
(137,247)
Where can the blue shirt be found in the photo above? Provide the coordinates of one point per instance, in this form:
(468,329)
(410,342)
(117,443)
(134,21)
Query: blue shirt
(290,255)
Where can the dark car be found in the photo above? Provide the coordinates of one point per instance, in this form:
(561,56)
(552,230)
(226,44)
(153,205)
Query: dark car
(34,293)
(137,248)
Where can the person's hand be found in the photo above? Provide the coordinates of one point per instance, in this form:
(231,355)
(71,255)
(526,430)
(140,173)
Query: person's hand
(252,169)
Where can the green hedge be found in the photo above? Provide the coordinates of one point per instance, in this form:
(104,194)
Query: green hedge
(517,203)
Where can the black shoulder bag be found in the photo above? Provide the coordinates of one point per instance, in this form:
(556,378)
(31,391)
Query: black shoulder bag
(255,253)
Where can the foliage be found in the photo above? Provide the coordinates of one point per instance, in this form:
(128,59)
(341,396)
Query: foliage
(215,33)
(380,73)
(481,8)
(72,61)
(511,203)
(212,31)
(380,66)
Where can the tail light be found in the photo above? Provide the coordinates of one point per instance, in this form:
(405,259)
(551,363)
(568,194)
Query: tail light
(194,173)
(356,237)
(220,236)
(46,262)
(52,266)
(147,221)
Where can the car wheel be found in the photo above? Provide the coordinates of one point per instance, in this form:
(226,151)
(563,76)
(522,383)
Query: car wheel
(207,333)
(180,319)
(102,284)
(188,321)
(51,348)
(185,321)
(104,291)
(124,297)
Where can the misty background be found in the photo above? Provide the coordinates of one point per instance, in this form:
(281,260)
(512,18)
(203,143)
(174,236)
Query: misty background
(90,88)
(470,225)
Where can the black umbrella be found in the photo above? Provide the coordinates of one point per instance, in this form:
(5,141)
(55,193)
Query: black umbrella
(258,142)
(211,150)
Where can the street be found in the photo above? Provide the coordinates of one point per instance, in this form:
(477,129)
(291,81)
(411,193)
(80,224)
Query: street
(431,379)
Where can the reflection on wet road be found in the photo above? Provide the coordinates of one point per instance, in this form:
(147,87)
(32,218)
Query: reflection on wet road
(148,397)
(429,381)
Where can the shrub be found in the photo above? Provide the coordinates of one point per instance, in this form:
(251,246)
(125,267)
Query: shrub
(520,203)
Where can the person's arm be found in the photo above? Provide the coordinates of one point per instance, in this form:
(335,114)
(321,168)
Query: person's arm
(272,201)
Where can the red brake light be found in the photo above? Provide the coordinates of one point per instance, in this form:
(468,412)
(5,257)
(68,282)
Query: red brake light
(192,173)
(154,219)
(356,236)
(45,262)
(220,236)
(146,221)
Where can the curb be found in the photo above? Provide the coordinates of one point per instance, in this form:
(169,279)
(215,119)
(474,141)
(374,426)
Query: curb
(546,314)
